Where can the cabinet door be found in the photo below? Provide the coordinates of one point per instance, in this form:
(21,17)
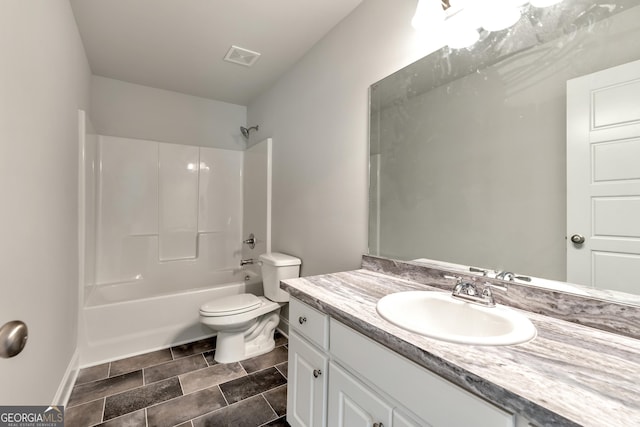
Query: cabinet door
(352,404)
(307,384)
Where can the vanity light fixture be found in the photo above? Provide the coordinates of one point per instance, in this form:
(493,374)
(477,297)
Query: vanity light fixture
(460,20)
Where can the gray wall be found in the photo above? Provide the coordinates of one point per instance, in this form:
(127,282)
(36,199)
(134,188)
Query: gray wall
(44,79)
(317,115)
(133,111)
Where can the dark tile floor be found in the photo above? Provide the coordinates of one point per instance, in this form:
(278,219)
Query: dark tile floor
(182,386)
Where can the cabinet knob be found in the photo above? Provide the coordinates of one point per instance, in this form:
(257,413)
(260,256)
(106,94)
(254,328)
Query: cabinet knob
(317,373)
(302,319)
(378,425)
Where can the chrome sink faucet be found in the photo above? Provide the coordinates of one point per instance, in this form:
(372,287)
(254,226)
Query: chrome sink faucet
(470,292)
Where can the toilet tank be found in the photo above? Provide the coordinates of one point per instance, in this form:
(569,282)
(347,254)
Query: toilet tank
(275,267)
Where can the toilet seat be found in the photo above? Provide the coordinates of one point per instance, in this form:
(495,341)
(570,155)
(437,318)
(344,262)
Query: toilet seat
(228,306)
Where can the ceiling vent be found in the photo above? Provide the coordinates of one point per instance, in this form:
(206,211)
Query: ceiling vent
(241,56)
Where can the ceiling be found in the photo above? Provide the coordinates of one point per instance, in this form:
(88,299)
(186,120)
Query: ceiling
(179,45)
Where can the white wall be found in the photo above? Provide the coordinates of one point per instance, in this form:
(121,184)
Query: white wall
(133,111)
(44,79)
(317,115)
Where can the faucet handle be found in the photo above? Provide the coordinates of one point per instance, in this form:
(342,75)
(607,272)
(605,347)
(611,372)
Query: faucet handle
(488,296)
(251,241)
(458,286)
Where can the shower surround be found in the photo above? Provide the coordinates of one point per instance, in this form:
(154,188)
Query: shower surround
(163,234)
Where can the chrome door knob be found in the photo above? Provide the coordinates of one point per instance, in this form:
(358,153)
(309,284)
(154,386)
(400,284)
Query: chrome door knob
(13,338)
(578,239)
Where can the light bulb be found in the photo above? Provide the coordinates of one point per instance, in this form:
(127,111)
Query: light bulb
(429,13)
(461,28)
(499,17)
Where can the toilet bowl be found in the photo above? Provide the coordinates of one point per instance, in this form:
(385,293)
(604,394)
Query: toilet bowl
(245,323)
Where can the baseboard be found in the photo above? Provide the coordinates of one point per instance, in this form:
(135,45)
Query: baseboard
(68,380)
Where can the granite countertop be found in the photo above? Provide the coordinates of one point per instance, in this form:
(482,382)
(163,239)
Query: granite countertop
(568,375)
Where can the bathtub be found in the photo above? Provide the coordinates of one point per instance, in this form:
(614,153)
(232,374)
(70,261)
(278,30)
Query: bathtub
(127,319)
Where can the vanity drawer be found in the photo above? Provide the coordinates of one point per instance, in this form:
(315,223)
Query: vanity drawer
(309,322)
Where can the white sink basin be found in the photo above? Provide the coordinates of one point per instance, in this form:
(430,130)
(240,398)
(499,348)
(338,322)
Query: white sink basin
(438,315)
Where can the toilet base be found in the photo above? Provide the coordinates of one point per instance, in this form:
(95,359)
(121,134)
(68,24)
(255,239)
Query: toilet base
(258,339)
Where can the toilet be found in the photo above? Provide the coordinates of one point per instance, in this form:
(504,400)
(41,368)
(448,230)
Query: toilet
(246,323)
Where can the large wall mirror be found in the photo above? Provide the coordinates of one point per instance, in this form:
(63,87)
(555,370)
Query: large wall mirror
(468,150)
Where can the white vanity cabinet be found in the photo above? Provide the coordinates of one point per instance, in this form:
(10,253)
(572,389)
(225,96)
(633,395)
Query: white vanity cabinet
(435,401)
(363,383)
(307,372)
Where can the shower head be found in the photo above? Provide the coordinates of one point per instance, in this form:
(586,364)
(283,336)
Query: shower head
(245,131)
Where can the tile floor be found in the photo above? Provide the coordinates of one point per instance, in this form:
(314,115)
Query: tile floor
(182,386)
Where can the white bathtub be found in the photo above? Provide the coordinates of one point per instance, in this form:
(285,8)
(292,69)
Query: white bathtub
(122,320)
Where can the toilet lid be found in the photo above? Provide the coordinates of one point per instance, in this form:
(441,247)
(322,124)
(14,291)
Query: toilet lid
(234,304)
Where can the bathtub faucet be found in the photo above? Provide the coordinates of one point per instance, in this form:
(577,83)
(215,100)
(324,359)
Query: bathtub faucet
(246,261)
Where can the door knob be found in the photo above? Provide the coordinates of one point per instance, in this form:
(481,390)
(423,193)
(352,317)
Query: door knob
(13,338)
(317,373)
(578,239)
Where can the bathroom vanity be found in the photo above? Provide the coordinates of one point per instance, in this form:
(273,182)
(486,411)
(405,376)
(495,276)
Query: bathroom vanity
(348,366)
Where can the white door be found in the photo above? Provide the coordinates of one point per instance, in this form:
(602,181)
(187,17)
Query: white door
(603,179)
